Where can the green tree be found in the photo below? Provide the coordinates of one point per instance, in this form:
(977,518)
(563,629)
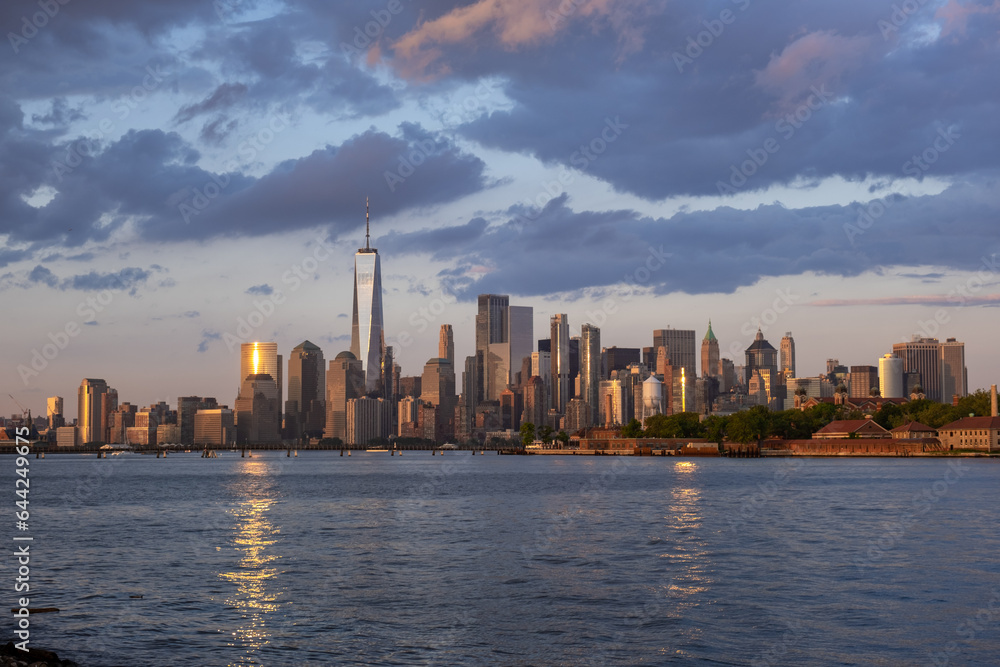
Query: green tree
(682,425)
(715,428)
(751,425)
(527,433)
(331,442)
(633,429)
(545,434)
(563,437)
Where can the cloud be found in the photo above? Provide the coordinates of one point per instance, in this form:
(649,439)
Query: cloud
(222,97)
(914,300)
(511,25)
(703,252)
(127,279)
(260,289)
(207,337)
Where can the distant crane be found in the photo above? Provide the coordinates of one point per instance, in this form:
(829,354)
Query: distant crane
(25,413)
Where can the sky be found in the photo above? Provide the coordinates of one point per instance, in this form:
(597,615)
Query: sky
(181,175)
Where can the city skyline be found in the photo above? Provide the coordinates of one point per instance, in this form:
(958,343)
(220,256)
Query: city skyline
(199,184)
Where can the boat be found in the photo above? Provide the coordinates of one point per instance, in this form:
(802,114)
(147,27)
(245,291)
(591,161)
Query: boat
(377,449)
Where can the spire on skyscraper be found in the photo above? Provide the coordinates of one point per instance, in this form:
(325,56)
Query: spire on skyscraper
(710,335)
(367,246)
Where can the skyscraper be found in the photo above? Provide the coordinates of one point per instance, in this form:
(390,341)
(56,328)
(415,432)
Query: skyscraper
(788,354)
(492,350)
(305,410)
(954,376)
(710,353)
(367,335)
(446,344)
(345,380)
(54,411)
(504,337)
(438,389)
(680,348)
(590,367)
(263,359)
(560,361)
(923,355)
(761,355)
(258,419)
(90,416)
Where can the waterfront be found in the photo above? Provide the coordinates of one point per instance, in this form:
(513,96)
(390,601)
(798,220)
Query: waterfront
(461,559)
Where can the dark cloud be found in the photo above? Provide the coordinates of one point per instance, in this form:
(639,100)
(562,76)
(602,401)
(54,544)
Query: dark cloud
(682,132)
(222,97)
(207,337)
(709,251)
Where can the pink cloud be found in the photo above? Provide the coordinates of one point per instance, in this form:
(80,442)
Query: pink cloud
(814,59)
(512,24)
(955,15)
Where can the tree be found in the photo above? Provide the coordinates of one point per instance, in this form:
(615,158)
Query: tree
(563,437)
(527,433)
(715,428)
(751,425)
(682,425)
(633,429)
(545,434)
(331,442)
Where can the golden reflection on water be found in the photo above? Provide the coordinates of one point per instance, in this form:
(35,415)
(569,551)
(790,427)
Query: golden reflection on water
(684,519)
(256,593)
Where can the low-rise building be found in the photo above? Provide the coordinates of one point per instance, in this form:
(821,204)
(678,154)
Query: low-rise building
(982,433)
(851,428)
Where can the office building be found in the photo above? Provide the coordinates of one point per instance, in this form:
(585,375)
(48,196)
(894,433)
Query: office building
(214,426)
(534,402)
(54,411)
(367,335)
(90,410)
(680,348)
(305,409)
(710,353)
(620,358)
(446,344)
(257,414)
(590,367)
(367,420)
(954,375)
(863,380)
(559,358)
(263,359)
(787,361)
(345,379)
(187,408)
(923,356)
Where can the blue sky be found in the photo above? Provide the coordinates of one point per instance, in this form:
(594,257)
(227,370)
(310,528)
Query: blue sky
(172,170)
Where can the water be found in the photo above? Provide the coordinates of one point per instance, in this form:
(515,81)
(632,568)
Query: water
(463,559)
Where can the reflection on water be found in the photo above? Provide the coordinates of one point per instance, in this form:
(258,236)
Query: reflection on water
(257,592)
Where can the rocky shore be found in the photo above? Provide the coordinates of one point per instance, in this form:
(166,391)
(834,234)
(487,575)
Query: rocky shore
(10,656)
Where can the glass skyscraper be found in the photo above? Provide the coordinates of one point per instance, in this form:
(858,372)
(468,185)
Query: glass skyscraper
(367,335)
